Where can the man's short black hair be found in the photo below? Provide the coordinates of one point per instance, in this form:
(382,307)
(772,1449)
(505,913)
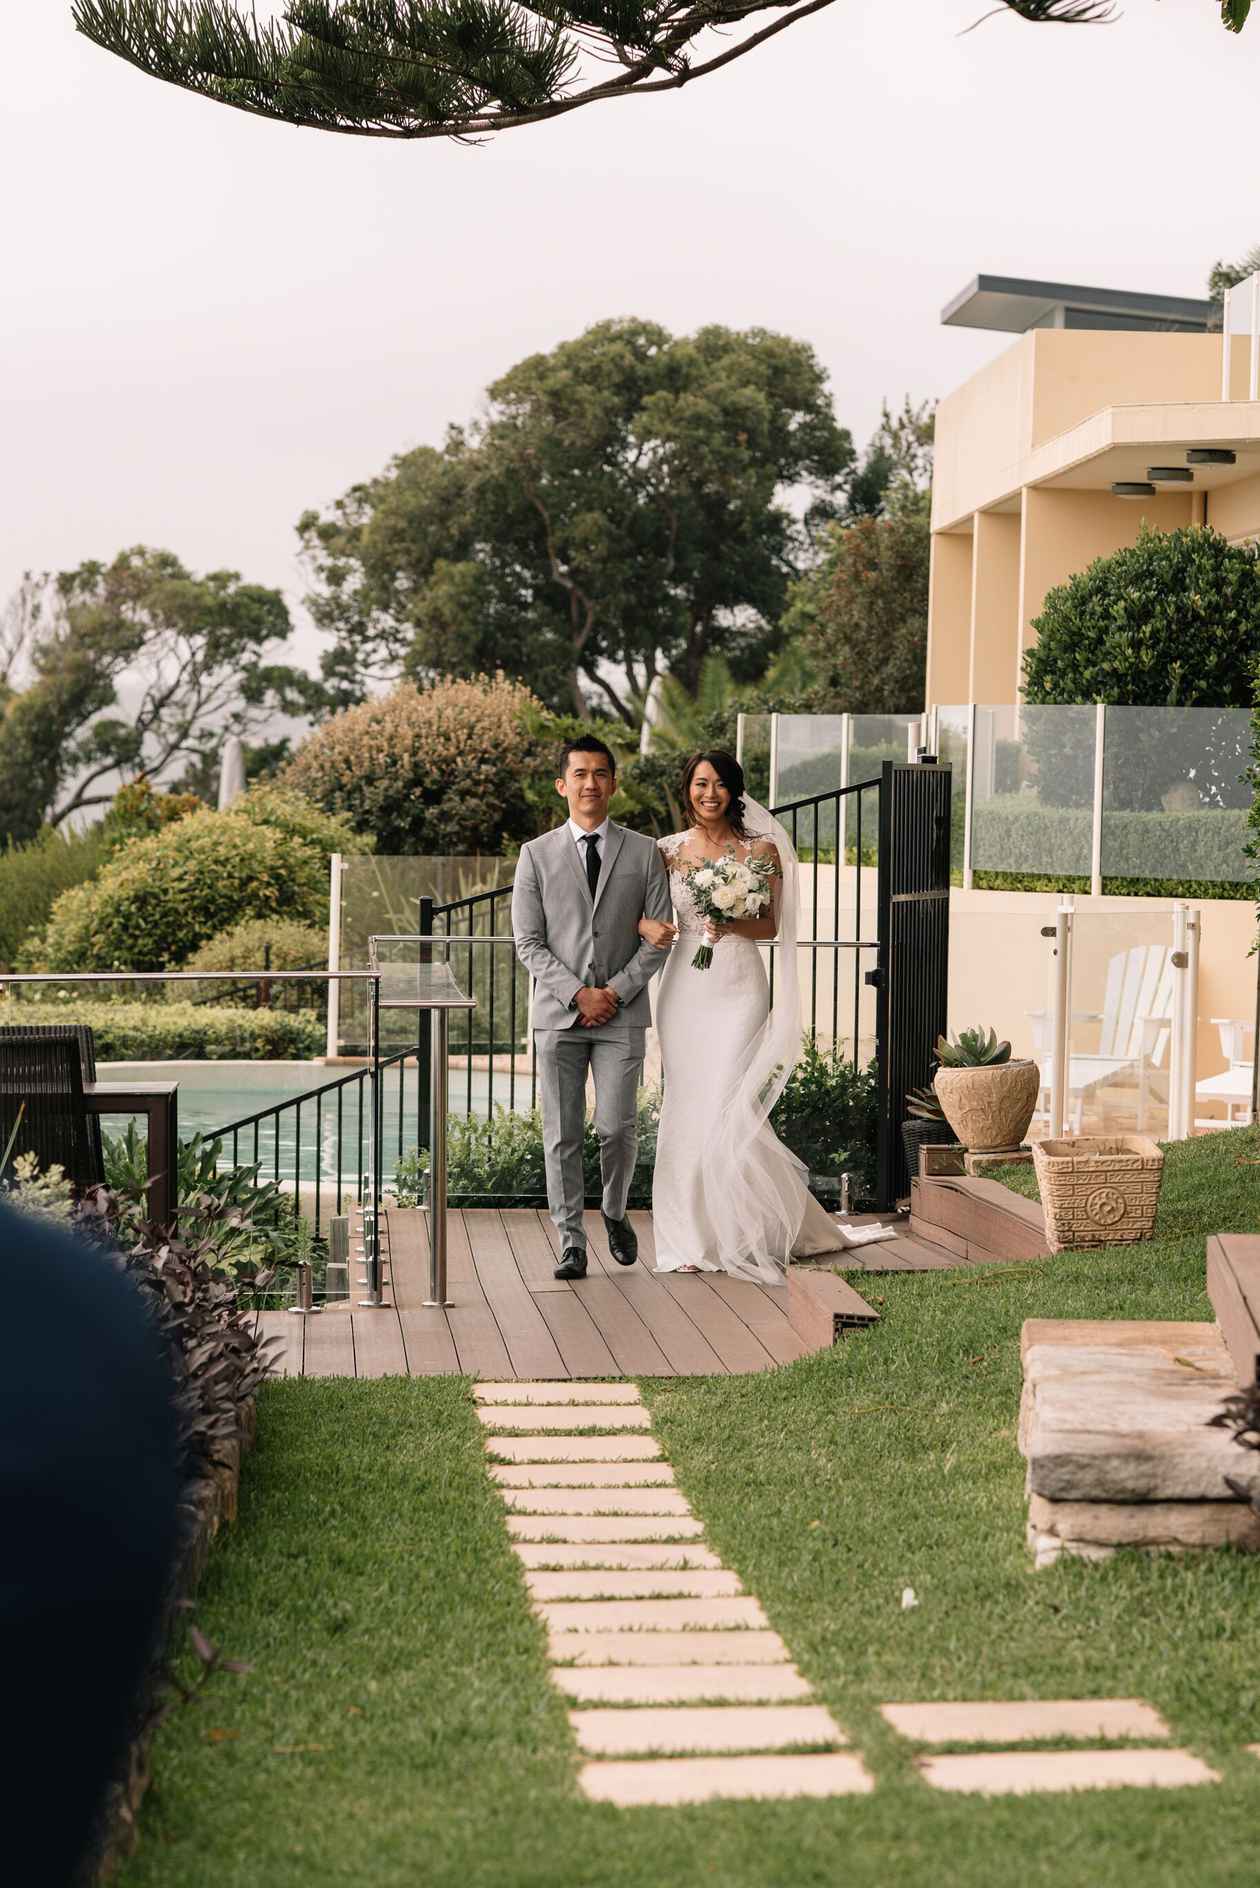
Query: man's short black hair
(584,744)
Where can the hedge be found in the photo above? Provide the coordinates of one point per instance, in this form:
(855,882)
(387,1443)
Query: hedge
(1017,835)
(181,1032)
(33,875)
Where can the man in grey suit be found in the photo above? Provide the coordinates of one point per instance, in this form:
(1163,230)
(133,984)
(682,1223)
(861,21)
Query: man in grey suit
(576,903)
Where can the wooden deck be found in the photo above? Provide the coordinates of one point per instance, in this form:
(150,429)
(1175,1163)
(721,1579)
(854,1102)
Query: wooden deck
(511,1320)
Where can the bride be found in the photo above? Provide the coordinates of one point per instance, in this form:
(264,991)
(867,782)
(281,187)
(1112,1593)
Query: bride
(727,1195)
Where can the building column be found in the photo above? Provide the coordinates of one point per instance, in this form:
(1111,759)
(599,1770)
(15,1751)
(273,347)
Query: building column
(949,620)
(995,617)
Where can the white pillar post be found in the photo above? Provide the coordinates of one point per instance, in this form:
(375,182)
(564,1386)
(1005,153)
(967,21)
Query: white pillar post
(1061,1017)
(1095,850)
(332,1035)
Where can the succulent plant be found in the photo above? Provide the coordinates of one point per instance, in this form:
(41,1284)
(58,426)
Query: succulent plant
(972,1049)
(923,1104)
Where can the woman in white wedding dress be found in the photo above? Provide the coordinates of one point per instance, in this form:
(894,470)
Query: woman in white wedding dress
(727,1195)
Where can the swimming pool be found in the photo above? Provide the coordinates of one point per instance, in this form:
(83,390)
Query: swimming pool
(212,1094)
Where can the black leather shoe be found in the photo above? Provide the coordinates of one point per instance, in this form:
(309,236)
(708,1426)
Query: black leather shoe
(572,1263)
(623,1241)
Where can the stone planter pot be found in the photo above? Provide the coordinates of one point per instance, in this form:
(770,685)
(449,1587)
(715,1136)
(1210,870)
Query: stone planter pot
(1098,1190)
(989,1108)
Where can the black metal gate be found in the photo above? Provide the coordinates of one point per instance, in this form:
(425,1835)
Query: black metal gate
(912,977)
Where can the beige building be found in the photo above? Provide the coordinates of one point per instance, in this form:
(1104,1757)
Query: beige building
(1096,393)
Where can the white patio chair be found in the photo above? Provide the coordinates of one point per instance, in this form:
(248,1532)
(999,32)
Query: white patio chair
(1232,1087)
(1134,1029)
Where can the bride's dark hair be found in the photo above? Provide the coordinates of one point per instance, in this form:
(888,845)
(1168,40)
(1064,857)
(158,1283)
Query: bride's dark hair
(729,772)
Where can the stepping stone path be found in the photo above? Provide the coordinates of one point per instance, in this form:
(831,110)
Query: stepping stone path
(640,1613)
(681,1691)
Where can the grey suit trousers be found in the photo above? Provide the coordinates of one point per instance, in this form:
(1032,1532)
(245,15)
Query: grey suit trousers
(616,1062)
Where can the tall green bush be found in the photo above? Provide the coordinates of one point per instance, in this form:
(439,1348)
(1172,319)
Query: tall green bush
(257,944)
(179,1032)
(33,875)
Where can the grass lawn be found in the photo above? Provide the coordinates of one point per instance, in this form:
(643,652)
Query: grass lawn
(398,1726)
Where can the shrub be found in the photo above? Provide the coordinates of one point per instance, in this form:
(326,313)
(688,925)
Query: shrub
(164,895)
(286,811)
(1204,845)
(33,875)
(136,811)
(828,1116)
(500,1159)
(257,944)
(433,770)
(181,1032)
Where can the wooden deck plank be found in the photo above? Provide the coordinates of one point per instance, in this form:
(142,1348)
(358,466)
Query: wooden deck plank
(567,1317)
(428,1346)
(286,1361)
(530,1345)
(470,1318)
(760,1310)
(379,1350)
(687,1348)
(329,1345)
(636,1350)
(736,1339)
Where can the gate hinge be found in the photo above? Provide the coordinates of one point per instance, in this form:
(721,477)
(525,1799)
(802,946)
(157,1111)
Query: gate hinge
(1049,930)
(1180,960)
(875,978)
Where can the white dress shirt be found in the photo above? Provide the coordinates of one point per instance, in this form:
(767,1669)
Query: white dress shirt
(581,833)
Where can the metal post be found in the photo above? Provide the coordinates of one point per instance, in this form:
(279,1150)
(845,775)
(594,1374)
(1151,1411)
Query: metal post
(372,1192)
(437,1164)
(337,1271)
(1060,1019)
(842,815)
(424,1056)
(969,799)
(773,798)
(739,745)
(332,1035)
(1095,844)
(305,1306)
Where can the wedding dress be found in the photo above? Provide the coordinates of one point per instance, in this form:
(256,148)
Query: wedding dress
(727,1195)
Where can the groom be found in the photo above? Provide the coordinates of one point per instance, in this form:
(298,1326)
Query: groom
(577,899)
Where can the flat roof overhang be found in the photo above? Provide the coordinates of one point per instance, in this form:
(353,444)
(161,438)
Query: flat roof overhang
(1120,442)
(1009,304)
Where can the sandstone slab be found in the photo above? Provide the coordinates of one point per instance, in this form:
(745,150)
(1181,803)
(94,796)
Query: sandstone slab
(703,1779)
(595,1501)
(575,1528)
(1023,1720)
(682,1729)
(667,1648)
(561,1392)
(574,1448)
(614,1554)
(538,1417)
(679,1684)
(594,1583)
(1129,1422)
(583,1475)
(1027,1772)
(656,1615)
(1159,1524)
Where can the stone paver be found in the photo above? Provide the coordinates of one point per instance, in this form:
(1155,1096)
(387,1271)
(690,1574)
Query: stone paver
(560,1554)
(583,1475)
(685,1615)
(575,1448)
(991,1723)
(1028,1772)
(592,1527)
(646,1584)
(502,1417)
(701,1779)
(690,1729)
(595,1501)
(668,1648)
(562,1392)
(679,1684)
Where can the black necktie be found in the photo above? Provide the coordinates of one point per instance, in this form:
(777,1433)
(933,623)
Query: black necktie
(591,842)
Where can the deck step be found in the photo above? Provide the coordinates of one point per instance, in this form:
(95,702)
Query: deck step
(993,1224)
(1233,1282)
(821,1306)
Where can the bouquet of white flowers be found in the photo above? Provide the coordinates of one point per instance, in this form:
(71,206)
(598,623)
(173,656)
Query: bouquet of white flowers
(729,888)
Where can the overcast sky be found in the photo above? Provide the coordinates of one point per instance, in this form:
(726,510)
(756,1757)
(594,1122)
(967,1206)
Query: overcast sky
(209,322)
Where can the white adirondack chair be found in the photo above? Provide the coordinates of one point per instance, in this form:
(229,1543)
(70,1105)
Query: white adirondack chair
(1134,1029)
(1232,1087)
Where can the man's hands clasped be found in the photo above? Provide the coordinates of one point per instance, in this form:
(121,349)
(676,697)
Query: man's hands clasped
(596,1006)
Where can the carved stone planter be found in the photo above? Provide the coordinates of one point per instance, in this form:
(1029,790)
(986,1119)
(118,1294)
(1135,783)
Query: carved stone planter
(1098,1191)
(989,1108)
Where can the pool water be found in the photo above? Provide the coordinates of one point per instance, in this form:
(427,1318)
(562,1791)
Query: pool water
(213,1094)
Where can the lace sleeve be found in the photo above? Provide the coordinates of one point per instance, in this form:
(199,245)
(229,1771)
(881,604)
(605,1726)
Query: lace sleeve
(671,846)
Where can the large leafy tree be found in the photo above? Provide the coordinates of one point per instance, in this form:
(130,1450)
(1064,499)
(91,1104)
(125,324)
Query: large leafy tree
(460,68)
(631,503)
(135,666)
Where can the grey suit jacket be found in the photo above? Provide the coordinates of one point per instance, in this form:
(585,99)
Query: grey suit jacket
(566,940)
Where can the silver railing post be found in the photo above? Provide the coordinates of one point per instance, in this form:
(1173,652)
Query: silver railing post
(439,1078)
(305,1306)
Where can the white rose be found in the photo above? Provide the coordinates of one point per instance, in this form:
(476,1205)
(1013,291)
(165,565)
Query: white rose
(706,877)
(725,897)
